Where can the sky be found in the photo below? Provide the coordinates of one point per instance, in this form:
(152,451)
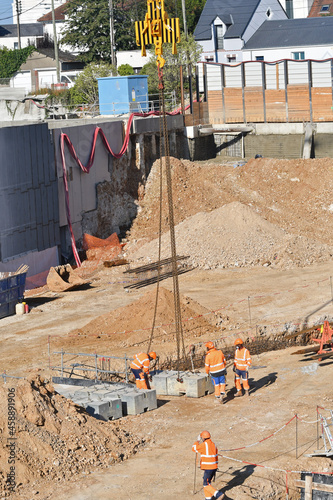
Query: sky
(6,12)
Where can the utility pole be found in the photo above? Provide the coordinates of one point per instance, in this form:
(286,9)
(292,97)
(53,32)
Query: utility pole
(55,43)
(184,19)
(113,55)
(18,12)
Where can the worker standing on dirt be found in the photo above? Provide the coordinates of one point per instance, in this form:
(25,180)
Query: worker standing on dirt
(242,362)
(140,369)
(215,365)
(208,463)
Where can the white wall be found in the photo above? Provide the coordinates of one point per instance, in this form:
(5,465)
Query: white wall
(310,52)
(31,11)
(131,57)
(275,75)
(301,8)
(10,41)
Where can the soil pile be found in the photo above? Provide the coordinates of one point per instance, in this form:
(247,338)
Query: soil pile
(56,438)
(266,212)
(131,325)
(235,236)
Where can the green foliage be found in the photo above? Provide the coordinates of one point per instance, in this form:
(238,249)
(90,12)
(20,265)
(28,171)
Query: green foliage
(188,52)
(88,27)
(12,60)
(125,70)
(85,90)
(193,11)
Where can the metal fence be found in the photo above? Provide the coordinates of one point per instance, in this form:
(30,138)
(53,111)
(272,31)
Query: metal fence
(261,91)
(100,366)
(67,111)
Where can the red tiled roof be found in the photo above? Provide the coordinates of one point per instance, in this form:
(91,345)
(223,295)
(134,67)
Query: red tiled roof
(59,14)
(316,9)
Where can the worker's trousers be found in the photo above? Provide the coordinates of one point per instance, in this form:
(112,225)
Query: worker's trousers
(141,379)
(209,490)
(219,383)
(241,377)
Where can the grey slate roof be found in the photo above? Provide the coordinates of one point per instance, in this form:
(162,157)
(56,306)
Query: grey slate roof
(234,13)
(292,33)
(29,29)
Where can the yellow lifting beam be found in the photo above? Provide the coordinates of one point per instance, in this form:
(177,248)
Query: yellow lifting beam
(157,29)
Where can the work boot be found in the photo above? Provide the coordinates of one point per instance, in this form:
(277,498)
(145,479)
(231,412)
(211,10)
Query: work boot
(223,399)
(238,394)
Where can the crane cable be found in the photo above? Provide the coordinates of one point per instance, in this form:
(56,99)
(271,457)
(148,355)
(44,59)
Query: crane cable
(164,135)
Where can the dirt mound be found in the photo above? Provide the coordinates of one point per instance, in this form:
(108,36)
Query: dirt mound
(131,325)
(266,212)
(56,438)
(236,236)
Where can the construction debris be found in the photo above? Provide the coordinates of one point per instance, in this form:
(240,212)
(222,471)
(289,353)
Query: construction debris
(63,279)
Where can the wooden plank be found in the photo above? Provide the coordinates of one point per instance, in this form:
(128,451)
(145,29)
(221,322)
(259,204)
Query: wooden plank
(328,488)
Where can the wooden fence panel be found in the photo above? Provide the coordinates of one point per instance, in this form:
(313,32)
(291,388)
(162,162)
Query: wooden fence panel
(254,104)
(322,104)
(298,103)
(233,105)
(275,105)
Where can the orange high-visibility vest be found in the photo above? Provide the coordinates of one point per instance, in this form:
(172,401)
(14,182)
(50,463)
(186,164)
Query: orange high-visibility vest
(208,452)
(141,361)
(215,361)
(242,359)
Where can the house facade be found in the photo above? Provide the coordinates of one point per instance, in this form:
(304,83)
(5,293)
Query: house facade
(29,35)
(225,27)
(32,10)
(296,39)
(297,8)
(39,71)
(321,8)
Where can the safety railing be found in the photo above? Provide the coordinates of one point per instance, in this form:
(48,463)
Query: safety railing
(99,366)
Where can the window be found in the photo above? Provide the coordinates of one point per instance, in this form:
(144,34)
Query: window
(259,58)
(231,58)
(219,36)
(268,13)
(297,56)
(325,8)
(15,45)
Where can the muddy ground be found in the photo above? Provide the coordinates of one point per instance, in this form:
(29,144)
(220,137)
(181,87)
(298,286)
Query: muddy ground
(152,455)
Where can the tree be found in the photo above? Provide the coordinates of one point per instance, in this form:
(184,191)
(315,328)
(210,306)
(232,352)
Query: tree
(88,27)
(193,11)
(125,70)
(85,89)
(12,60)
(188,51)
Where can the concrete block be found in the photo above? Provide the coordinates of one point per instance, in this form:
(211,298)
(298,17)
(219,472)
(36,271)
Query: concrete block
(138,401)
(193,385)
(104,410)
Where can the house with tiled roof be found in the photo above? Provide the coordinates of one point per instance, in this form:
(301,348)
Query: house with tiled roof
(225,26)
(297,39)
(321,8)
(30,33)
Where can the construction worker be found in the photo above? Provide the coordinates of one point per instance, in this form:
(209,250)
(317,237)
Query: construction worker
(242,362)
(215,364)
(140,369)
(208,463)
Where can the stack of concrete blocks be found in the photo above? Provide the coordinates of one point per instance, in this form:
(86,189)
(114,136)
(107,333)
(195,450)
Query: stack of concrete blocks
(107,401)
(174,383)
